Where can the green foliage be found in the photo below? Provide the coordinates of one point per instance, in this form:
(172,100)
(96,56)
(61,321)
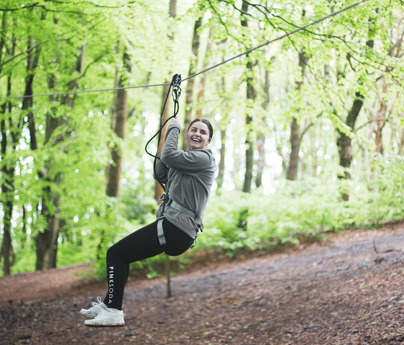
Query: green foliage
(70,161)
(303,208)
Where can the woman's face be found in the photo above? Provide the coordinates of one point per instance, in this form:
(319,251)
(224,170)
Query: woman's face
(198,136)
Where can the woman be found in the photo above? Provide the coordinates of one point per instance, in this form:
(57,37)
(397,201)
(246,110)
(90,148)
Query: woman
(188,176)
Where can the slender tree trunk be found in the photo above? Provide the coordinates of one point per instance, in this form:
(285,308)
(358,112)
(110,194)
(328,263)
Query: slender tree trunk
(295,148)
(221,167)
(251,95)
(7,166)
(295,135)
(344,142)
(158,190)
(191,82)
(3,37)
(261,136)
(119,116)
(202,84)
(27,103)
(7,189)
(401,144)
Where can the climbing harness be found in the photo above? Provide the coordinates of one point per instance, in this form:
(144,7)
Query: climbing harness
(178,207)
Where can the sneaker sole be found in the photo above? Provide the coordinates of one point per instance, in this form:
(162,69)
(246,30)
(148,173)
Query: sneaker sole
(105,325)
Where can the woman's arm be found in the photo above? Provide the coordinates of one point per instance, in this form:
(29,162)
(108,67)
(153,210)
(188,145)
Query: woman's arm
(160,171)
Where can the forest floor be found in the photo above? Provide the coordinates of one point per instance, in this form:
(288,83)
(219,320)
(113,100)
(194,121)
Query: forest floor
(344,289)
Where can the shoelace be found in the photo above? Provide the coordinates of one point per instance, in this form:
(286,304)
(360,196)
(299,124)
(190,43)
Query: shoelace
(100,302)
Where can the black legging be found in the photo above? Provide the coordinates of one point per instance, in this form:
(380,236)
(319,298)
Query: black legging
(140,245)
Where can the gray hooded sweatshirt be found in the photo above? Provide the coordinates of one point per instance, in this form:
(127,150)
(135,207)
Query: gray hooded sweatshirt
(188,176)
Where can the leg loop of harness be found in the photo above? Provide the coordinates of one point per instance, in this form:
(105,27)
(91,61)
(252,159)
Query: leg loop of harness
(160,232)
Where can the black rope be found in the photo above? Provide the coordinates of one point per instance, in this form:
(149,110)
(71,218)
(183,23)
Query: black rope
(176,93)
(205,70)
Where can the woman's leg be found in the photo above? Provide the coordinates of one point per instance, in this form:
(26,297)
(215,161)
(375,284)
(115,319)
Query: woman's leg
(140,245)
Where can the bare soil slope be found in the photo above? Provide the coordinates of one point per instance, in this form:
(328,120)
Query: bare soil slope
(347,289)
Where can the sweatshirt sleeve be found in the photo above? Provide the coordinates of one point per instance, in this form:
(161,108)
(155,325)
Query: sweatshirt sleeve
(160,172)
(188,162)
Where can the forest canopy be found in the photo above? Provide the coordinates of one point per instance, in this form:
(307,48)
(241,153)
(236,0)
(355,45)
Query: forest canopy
(309,129)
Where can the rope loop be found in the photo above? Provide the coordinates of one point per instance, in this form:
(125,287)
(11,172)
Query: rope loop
(176,93)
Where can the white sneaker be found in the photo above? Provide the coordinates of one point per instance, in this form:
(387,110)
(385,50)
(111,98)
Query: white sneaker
(107,317)
(95,309)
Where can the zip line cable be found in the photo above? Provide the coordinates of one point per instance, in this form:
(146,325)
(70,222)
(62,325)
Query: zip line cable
(276,39)
(205,70)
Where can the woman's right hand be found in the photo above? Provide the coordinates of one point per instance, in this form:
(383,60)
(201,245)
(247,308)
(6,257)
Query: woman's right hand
(174,121)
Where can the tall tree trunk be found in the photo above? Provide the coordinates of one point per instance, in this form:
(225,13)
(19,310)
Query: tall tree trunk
(158,190)
(3,37)
(202,84)
(251,95)
(261,136)
(119,115)
(344,141)
(223,137)
(401,144)
(27,103)
(221,167)
(7,186)
(295,135)
(47,240)
(191,82)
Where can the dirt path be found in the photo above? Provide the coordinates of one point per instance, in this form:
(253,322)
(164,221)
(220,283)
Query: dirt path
(346,290)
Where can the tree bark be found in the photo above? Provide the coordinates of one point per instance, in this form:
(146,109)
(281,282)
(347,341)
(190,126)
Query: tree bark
(158,190)
(2,38)
(120,116)
(191,82)
(27,103)
(251,95)
(344,142)
(7,189)
(295,135)
(401,144)
(202,84)
(261,136)
(221,167)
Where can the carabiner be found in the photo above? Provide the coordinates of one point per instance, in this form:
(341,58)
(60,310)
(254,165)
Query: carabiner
(176,92)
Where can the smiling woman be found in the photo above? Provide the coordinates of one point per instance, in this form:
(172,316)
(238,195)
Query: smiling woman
(200,133)
(188,177)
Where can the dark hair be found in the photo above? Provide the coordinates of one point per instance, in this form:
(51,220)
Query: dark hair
(206,122)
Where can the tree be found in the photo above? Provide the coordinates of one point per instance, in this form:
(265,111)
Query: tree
(118,121)
(158,189)
(295,133)
(251,95)
(191,82)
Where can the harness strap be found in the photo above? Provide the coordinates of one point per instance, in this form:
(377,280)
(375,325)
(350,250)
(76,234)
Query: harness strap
(178,207)
(160,232)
